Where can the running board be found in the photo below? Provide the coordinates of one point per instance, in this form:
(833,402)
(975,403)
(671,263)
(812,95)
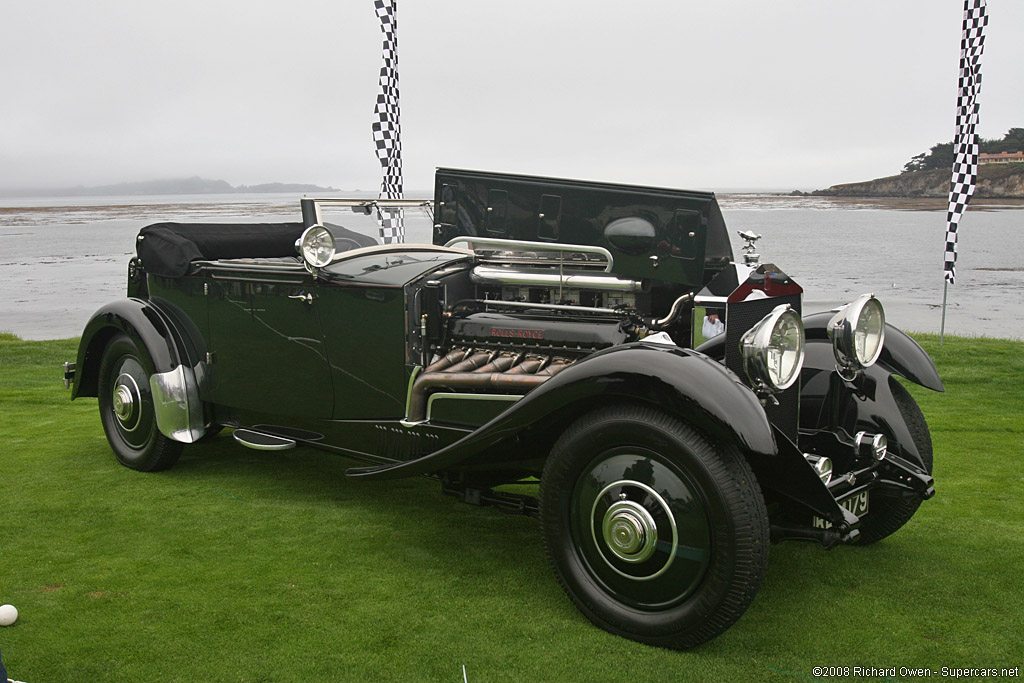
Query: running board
(261,441)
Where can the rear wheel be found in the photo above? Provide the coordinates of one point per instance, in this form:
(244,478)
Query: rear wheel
(890,512)
(126,408)
(656,533)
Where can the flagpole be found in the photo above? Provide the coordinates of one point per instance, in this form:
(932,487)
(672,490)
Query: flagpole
(965,143)
(942,329)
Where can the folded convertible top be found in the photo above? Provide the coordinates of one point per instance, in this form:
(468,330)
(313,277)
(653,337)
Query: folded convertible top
(168,249)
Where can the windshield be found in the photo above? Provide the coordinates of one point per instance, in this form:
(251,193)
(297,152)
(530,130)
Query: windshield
(357,223)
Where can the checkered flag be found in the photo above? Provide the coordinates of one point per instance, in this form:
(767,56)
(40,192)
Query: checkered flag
(391,223)
(965,145)
(387,130)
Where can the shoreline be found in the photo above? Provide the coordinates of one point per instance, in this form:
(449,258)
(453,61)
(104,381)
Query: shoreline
(61,263)
(994,181)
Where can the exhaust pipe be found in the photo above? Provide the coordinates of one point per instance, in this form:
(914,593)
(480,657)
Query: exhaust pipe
(509,382)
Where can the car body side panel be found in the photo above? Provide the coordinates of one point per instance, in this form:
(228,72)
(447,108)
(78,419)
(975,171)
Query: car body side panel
(365,336)
(678,381)
(269,353)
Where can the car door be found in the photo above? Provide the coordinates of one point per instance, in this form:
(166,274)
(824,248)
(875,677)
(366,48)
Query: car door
(268,353)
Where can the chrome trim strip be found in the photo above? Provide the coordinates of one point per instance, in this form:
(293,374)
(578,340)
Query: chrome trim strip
(489,275)
(408,394)
(521,245)
(179,412)
(371,203)
(240,264)
(282,445)
(261,281)
(512,398)
(552,307)
(387,248)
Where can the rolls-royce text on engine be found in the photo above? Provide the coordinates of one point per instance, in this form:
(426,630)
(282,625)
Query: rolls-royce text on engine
(546,337)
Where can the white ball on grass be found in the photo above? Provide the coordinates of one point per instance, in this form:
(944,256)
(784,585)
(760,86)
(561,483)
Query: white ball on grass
(8,615)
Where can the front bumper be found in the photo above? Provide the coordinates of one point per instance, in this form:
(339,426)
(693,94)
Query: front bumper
(69,374)
(800,495)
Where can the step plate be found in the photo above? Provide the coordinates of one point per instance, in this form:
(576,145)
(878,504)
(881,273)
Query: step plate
(261,441)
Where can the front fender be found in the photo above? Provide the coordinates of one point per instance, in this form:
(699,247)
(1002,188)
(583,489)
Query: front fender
(830,403)
(900,355)
(179,411)
(678,381)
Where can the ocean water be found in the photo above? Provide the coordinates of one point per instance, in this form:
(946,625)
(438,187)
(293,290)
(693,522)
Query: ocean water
(62,258)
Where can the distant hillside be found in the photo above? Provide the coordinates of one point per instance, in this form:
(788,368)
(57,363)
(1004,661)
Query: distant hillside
(994,181)
(193,185)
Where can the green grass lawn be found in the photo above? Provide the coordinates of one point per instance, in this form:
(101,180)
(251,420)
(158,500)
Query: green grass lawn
(239,565)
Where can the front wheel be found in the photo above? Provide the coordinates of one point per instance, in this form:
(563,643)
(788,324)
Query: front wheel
(126,408)
(656,532)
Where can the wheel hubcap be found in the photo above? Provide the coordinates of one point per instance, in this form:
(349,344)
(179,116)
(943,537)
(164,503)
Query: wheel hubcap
(125,402)
(630,531)
(122,403)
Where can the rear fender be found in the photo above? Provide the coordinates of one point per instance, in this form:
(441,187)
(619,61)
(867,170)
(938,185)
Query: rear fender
(179,411)
(678,381)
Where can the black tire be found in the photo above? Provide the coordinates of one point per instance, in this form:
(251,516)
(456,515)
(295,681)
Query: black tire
(889,513)
(126,408)
(706,514)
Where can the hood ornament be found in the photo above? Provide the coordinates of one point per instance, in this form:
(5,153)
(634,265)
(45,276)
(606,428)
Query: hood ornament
(750,255)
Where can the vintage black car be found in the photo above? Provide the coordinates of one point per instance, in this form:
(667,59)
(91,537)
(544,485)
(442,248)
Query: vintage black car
(546,337)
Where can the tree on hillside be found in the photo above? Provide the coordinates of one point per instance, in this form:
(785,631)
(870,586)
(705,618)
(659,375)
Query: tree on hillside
(942,156)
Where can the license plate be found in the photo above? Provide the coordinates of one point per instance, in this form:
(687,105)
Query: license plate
(857,503)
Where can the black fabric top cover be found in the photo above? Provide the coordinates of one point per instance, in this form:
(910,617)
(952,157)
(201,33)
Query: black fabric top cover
(168,249)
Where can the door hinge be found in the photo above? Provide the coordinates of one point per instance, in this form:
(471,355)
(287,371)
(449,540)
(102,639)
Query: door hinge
(211,356)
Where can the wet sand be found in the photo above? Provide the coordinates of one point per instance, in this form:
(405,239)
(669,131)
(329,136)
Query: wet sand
(60,260)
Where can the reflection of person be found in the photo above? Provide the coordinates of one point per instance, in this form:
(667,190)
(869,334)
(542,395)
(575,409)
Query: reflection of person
(713,323)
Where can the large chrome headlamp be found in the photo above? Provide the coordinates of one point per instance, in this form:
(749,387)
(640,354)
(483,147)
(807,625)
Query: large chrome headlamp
(317,246)
(858,333)
(773,349)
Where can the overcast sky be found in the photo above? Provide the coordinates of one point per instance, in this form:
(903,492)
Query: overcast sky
(681,93)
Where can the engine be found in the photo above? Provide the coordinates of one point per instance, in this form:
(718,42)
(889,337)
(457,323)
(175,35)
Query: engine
(506,329)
